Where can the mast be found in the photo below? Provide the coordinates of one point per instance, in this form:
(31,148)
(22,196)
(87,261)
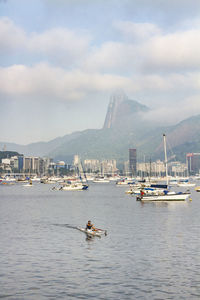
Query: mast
(165,150)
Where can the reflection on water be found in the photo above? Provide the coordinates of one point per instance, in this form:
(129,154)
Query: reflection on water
(168,204)
(151,251)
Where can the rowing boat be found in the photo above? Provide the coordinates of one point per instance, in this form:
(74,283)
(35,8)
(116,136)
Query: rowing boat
(91,232)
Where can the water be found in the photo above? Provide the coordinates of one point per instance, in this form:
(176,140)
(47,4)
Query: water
(151,250)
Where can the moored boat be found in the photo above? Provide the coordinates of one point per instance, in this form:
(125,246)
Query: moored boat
(197,189)
(101,180)
(73,186)
(168,197)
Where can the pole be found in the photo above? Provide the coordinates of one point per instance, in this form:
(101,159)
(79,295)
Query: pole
(165,150)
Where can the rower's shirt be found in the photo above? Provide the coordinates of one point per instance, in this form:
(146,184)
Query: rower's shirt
(89,226)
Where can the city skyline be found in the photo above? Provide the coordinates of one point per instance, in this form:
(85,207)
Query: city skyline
(61,61)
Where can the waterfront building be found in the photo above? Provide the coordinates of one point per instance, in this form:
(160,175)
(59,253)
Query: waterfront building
(20,162)
(14,162)
(76,160)
(5,161)
(105,167)
(92,165)
(151,168)
(177,169)
(109,167)
(27,165)
(126,168)
(157,169)
(35,165)
(45,165)
(193,163)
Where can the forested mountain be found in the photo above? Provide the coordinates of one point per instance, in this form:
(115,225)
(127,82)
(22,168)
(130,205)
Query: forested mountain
(124,127)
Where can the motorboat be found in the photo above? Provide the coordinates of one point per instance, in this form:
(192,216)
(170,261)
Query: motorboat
(101,180)
(171,196)
(73,186)
(125,181)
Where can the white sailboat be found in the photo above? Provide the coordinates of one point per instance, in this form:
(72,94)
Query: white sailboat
(167,196)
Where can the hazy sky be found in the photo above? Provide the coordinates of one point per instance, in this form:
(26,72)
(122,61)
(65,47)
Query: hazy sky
(60,60)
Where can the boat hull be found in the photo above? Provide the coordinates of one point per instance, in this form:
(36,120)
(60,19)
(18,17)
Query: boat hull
(90,232)
(74,187)
(171,197)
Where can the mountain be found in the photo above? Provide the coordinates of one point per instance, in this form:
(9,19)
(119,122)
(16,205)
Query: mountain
(124,127)
(40,148)
(121,110)
(8,154)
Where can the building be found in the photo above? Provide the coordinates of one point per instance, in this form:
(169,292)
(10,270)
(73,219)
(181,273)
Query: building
(76,160)
(27,164)
(36,165)
(20,162)
(109,167)
(133,162)
(193,163)
(92,165)
(177,169)
(156,168)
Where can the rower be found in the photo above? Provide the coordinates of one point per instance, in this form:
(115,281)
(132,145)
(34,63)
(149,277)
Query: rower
(89,225)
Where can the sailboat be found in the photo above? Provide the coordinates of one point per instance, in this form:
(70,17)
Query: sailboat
(167,195)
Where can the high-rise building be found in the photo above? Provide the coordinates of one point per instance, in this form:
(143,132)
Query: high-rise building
(92,165)
(35,164)
(76,161)
(27,164)
(193,163)
(133,162)
(20,162)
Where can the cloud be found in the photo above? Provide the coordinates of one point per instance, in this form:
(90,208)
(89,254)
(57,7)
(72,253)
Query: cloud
(111,57)
(44,80)
(12,37)
(145,48)
(137,31)
(175,111)
(149,63)
(58,45)
(140,48)
(178,51)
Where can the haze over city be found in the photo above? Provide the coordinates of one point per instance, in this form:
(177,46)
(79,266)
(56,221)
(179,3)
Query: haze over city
(61,60)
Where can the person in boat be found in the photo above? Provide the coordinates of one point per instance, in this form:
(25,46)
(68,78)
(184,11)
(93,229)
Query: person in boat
(89,225)
(142,193)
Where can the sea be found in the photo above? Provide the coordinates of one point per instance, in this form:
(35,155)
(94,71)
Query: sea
(151,251)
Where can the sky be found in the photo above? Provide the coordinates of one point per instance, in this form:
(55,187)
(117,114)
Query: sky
(60,61)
